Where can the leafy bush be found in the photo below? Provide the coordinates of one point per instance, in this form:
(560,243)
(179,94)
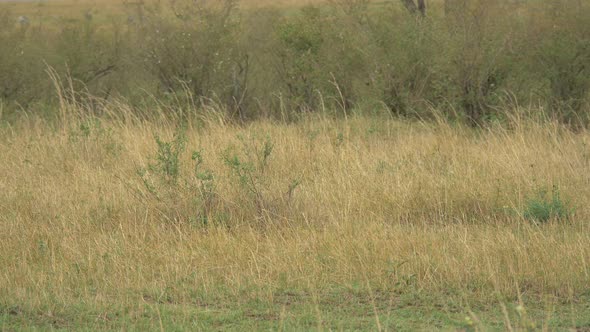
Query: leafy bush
(22,75)
(409,73)
(301,39)
(543,207)
(563,59)
(250,168)
(343,56)
(192,48)
(168,158)
(249,165)
(178,195)
(479,58)
(89,57)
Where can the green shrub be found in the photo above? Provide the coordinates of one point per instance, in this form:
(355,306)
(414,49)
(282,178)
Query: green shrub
(480,57)
(89,57)
(324,58)
(468,60)
(298,67)
(411,63)
(544,207)
(563,59)
(168,158)
(192,49)
(22,73)
(178,195)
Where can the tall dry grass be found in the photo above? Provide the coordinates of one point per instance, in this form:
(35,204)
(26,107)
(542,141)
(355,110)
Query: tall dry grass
(382,203)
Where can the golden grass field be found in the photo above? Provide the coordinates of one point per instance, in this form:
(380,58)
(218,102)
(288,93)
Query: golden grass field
(384,208)
(347,222)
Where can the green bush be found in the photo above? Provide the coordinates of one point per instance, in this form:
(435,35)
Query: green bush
(563,59)
(91,58)
(177,194)
(193,49)
(299,59)
(544,207)
(473,60)
(411,68)
(323,58)
(22,74)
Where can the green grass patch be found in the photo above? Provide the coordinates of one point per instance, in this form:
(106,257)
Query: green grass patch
(299,311)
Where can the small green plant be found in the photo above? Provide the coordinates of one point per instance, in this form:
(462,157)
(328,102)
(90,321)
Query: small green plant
(206,187)
(250,167)
(86,129)
(250,170)
(168,158)
(339,141)
(545,207)
(205,176)
(265,153)
(292,186)
(165,171)
(91,130)
(245,171)
(178,195)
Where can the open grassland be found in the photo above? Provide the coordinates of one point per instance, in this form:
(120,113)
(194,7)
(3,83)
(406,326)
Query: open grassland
(363,223)
(294,165)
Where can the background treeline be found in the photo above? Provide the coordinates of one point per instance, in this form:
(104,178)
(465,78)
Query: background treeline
(471,60)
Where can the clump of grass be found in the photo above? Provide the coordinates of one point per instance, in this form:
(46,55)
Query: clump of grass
(547,206)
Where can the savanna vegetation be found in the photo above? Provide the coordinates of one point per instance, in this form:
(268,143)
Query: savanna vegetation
(259,165)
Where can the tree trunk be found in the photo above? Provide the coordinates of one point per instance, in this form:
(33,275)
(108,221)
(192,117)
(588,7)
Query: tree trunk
(414,8)
(422,7)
